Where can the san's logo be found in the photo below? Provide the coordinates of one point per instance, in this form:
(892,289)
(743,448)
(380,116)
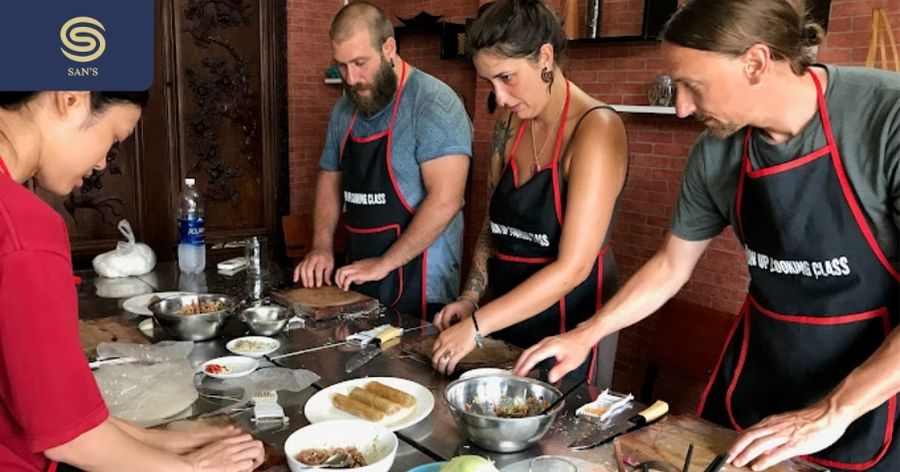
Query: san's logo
(82,39)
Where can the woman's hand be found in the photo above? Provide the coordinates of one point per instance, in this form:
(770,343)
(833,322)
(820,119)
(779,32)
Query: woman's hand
(235,454)
(185,441)
(453,313)
(452,345)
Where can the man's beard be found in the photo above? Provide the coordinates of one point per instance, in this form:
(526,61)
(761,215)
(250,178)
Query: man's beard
(381,92)
(716,128)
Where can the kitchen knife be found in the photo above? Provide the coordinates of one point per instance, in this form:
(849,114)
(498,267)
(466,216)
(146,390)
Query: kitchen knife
(373,349)
(649,415)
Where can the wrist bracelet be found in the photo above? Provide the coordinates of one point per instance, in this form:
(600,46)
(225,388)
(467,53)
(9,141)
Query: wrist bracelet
(479,339)
(468,299)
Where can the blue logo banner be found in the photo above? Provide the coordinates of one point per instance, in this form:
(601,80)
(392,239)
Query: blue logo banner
(77,45)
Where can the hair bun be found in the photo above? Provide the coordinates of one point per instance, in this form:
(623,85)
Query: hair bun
(812,34)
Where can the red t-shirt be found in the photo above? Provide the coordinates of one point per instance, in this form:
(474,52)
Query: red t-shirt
(48,395)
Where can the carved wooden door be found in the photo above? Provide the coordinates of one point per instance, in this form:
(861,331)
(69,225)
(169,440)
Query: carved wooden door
(217,113)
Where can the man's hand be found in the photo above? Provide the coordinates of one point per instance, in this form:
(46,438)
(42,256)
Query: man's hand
(235,454)
(315,268)
(361,271)
(570,350)
(780,437)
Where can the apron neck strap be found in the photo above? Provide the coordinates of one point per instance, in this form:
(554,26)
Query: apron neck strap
(561,131)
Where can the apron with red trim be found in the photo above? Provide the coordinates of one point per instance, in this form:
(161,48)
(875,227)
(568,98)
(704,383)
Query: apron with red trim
(376,214)
(526,225)
(822,298)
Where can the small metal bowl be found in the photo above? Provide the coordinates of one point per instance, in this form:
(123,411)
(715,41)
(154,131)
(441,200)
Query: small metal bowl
(196,327)
(472,403)
(266,320)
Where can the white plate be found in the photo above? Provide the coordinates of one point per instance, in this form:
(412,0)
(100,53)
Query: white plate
(319,407)
(238,366)
(138,305)
(269,346)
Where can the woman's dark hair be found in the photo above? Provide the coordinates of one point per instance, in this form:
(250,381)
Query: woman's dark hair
(99,100)
(732,26)
(516,29)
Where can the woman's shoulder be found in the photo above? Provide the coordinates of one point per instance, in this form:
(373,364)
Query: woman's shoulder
(28,222)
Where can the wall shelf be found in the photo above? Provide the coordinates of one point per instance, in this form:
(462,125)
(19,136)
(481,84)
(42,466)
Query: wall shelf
(645,109)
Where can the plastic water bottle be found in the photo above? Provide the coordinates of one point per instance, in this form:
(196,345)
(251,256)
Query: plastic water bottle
(191,230)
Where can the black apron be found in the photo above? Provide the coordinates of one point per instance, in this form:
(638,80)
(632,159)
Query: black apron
(376,215)
(822,298)
(526,226)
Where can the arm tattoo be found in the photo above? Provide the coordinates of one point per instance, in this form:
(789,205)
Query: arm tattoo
(476,284)
(502,134)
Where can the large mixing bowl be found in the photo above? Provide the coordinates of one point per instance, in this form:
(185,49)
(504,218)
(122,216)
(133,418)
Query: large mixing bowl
(475,402)
(193,327)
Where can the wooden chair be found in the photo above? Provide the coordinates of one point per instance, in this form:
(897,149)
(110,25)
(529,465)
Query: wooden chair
(687,340)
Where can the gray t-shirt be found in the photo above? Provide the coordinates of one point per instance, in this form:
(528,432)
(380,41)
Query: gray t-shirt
(864,108)
(431,123)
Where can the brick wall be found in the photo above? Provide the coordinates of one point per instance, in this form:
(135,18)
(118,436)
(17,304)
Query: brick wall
(616,73)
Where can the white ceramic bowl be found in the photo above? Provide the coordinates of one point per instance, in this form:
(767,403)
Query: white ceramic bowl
(376,442)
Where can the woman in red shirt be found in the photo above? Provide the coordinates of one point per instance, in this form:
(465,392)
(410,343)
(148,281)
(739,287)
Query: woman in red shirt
(50,407)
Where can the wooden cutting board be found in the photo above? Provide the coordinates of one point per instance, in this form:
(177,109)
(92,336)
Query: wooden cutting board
(667,441)
(496,353)
(109,329)
(274,461)
(324,302)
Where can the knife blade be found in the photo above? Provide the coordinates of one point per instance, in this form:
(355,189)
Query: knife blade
(372,350)
(645,417)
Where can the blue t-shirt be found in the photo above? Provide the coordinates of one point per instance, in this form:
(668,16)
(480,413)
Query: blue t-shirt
(431,123)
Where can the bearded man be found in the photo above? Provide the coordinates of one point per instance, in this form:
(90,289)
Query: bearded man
(396,158)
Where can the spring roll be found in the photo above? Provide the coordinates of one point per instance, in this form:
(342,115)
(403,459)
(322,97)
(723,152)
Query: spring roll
(392,394)
(356,408)
(381,404)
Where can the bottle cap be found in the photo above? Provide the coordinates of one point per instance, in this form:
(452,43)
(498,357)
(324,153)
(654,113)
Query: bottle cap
(189,182)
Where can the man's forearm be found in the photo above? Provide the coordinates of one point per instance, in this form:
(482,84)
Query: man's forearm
(327,210)
(869,385)
(431,219)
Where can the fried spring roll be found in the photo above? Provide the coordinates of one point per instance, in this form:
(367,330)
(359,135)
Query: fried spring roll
(356,408)
(379,403)
(392,394)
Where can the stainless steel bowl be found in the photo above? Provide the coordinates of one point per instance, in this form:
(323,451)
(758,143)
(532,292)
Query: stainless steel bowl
(198,327)
(266,320)
(472,403)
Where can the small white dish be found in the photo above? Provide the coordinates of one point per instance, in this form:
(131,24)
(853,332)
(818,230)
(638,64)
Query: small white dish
(494,371)
(229,367)
(253,346)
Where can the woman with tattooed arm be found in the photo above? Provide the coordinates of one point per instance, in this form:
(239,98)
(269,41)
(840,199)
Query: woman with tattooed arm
(558,165)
